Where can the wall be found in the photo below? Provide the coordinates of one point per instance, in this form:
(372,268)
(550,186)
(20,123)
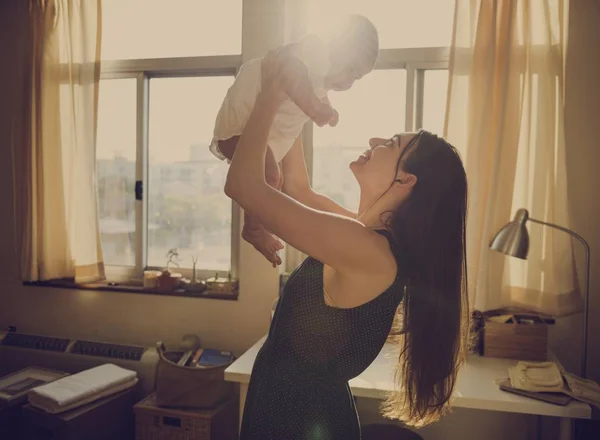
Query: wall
(144,319)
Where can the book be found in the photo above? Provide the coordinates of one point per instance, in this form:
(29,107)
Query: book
(14,387)
(22,385)
(214,358)
(550,397)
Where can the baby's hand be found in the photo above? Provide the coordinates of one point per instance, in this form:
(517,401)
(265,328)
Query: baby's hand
(324,114)
(335,118)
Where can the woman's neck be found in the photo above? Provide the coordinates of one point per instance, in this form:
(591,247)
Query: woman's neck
(370,212)
(374,210)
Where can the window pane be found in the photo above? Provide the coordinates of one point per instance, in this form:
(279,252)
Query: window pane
(115,164)
(157,28)
(187,208)
(434,100)
(401,23)
(374,106)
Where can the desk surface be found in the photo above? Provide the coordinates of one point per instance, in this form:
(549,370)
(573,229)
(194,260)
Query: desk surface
(476,387)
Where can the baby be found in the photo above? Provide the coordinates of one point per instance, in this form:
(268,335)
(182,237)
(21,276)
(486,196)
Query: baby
(321,63)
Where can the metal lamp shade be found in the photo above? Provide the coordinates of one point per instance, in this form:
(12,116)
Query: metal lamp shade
(513,238)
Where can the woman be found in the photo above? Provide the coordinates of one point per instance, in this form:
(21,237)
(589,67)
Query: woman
(406,246)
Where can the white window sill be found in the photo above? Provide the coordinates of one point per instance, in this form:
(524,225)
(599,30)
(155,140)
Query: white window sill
(129,287)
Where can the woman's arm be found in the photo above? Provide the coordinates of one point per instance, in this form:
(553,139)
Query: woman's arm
(296,184)
(340,242)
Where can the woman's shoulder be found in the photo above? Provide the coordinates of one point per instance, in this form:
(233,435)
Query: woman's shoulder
(389,267)
(394,246)
(354,288)
(390,250)
(380,277)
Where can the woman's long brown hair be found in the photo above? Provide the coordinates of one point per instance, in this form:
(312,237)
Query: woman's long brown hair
(429,228)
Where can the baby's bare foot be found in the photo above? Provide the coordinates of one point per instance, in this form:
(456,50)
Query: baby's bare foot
(264,243)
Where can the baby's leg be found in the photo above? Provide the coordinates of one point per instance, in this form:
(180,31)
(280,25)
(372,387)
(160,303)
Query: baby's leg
(254,232)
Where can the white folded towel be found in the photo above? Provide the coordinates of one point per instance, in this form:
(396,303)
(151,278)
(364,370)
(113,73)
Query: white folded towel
(81,388)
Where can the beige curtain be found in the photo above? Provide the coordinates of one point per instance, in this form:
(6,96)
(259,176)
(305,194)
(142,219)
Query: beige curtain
(505,112)
(56,165)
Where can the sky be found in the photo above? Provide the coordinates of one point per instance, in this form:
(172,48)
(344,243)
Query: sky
(183,110)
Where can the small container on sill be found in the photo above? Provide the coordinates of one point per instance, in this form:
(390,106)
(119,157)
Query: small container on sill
(168,281)
(218,284)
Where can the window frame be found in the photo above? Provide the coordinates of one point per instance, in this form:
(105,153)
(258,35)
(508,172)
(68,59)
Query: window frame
(142,70)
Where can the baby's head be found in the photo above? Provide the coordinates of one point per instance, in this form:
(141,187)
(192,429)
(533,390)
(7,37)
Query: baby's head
(353,47)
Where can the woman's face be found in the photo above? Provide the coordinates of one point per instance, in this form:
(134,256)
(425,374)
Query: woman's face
(376,168)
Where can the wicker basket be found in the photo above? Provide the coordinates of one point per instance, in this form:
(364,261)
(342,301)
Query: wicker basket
(155,423)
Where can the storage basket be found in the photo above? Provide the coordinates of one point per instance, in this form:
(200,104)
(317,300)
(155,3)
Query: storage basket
(156,423)
(515,340)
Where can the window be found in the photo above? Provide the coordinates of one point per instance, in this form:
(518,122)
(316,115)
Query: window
(164,76)
(187,209)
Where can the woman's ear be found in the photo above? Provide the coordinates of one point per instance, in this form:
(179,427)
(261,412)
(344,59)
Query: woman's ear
(406,180)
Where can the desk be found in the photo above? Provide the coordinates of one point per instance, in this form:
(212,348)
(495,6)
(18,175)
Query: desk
(475,388)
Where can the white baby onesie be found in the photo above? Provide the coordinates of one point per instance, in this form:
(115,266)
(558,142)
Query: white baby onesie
(241,97)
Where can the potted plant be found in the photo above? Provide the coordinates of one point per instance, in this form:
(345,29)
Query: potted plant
(169,280)
(195,285)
